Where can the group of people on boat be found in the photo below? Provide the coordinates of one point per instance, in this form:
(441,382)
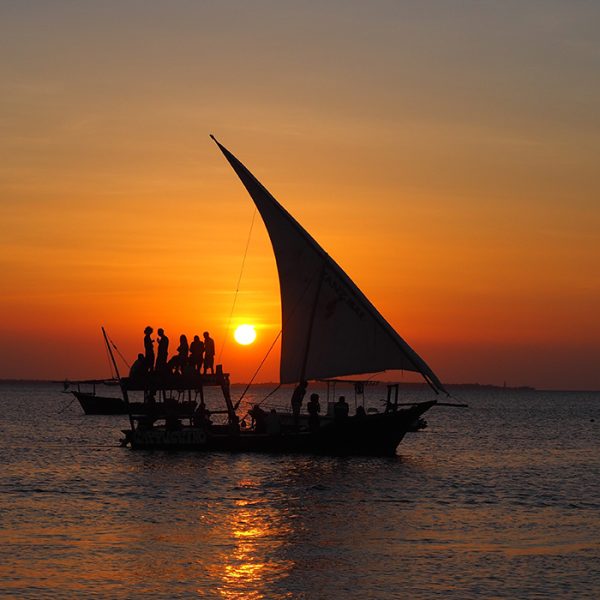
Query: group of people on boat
(197,357)
(268,422)
(341,409)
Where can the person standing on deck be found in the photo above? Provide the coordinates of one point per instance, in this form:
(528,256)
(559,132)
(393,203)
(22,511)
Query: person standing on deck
(314,408)
(149,348)
(209,353)
(182,353)
(196,354)
(272,423)
(162,352)
(297,397)
(341,409)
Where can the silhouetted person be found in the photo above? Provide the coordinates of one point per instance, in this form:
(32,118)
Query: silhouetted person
(209,353)
(272,423)
(149,348)
(297,397)
(138,368)
(188,370)
(234,425)
(360,412)
(162,351)
(182,352)
(258,418)
(179,362)
(196,354)
(341,409)
(202,416)
(314,408)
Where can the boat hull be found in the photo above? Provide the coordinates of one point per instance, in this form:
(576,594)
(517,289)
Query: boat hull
(369,435)
(100,405)
(93,404)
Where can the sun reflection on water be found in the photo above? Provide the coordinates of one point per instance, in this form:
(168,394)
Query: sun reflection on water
(257,533)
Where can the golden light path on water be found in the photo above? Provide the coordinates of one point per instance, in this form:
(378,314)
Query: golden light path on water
(257,532)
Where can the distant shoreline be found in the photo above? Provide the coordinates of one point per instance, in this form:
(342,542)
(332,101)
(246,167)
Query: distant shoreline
(405,385)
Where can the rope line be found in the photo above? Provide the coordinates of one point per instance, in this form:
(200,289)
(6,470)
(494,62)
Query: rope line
(237,289)
(110,366)
(284,319)
(62,410)
(113,374)
(262,401)
(257,370)
(269,395)
(119,353)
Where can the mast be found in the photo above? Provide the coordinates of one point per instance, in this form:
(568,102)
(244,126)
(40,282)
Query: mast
(110,352)
(123,390)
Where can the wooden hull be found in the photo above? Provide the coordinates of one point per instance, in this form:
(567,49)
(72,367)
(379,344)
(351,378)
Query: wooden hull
(370,435)
(93,404)
(100,405)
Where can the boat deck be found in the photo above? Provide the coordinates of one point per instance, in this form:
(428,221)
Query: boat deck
(174,381)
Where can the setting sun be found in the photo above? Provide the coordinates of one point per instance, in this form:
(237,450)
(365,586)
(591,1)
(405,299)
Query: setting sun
(245,334)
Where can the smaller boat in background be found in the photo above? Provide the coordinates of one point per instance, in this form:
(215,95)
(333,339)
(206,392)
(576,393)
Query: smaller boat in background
(91,402)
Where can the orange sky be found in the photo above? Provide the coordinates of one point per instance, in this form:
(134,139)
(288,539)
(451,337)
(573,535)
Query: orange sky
(446,157)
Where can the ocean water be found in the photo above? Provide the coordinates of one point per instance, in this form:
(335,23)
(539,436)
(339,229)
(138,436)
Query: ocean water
(500,500)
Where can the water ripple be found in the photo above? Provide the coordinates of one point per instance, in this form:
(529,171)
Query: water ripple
(499,501)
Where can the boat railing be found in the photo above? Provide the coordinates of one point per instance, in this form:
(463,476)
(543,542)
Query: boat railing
(172,397)
(174,382)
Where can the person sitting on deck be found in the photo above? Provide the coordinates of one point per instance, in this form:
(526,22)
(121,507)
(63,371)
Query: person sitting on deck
(258,418)
(138,368)
(341,409)
(162,352)
(272,423)
(202,416)
(297,397)
(149,348)
(179,362)
(196,354)
(209,353)
(360,412)
(314,408)
(188,369)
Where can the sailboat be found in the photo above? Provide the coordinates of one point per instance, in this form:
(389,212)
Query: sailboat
(329,330)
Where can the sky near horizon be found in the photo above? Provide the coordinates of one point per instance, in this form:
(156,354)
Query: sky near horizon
(444,153)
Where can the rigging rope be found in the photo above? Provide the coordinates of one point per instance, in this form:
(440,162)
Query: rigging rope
(269,395)
(119,353)
(62,410)
(262,401)
(257,370)
(237,289)
(110,365)
(284,319)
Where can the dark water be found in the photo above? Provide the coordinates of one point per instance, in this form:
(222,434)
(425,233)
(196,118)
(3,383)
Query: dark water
(498,501)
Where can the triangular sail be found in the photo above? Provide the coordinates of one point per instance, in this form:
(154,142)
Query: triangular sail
(329,327)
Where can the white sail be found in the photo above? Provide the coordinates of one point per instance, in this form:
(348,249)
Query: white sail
(329,327)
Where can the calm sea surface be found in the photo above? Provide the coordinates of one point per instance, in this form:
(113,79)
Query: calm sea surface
(501,500)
